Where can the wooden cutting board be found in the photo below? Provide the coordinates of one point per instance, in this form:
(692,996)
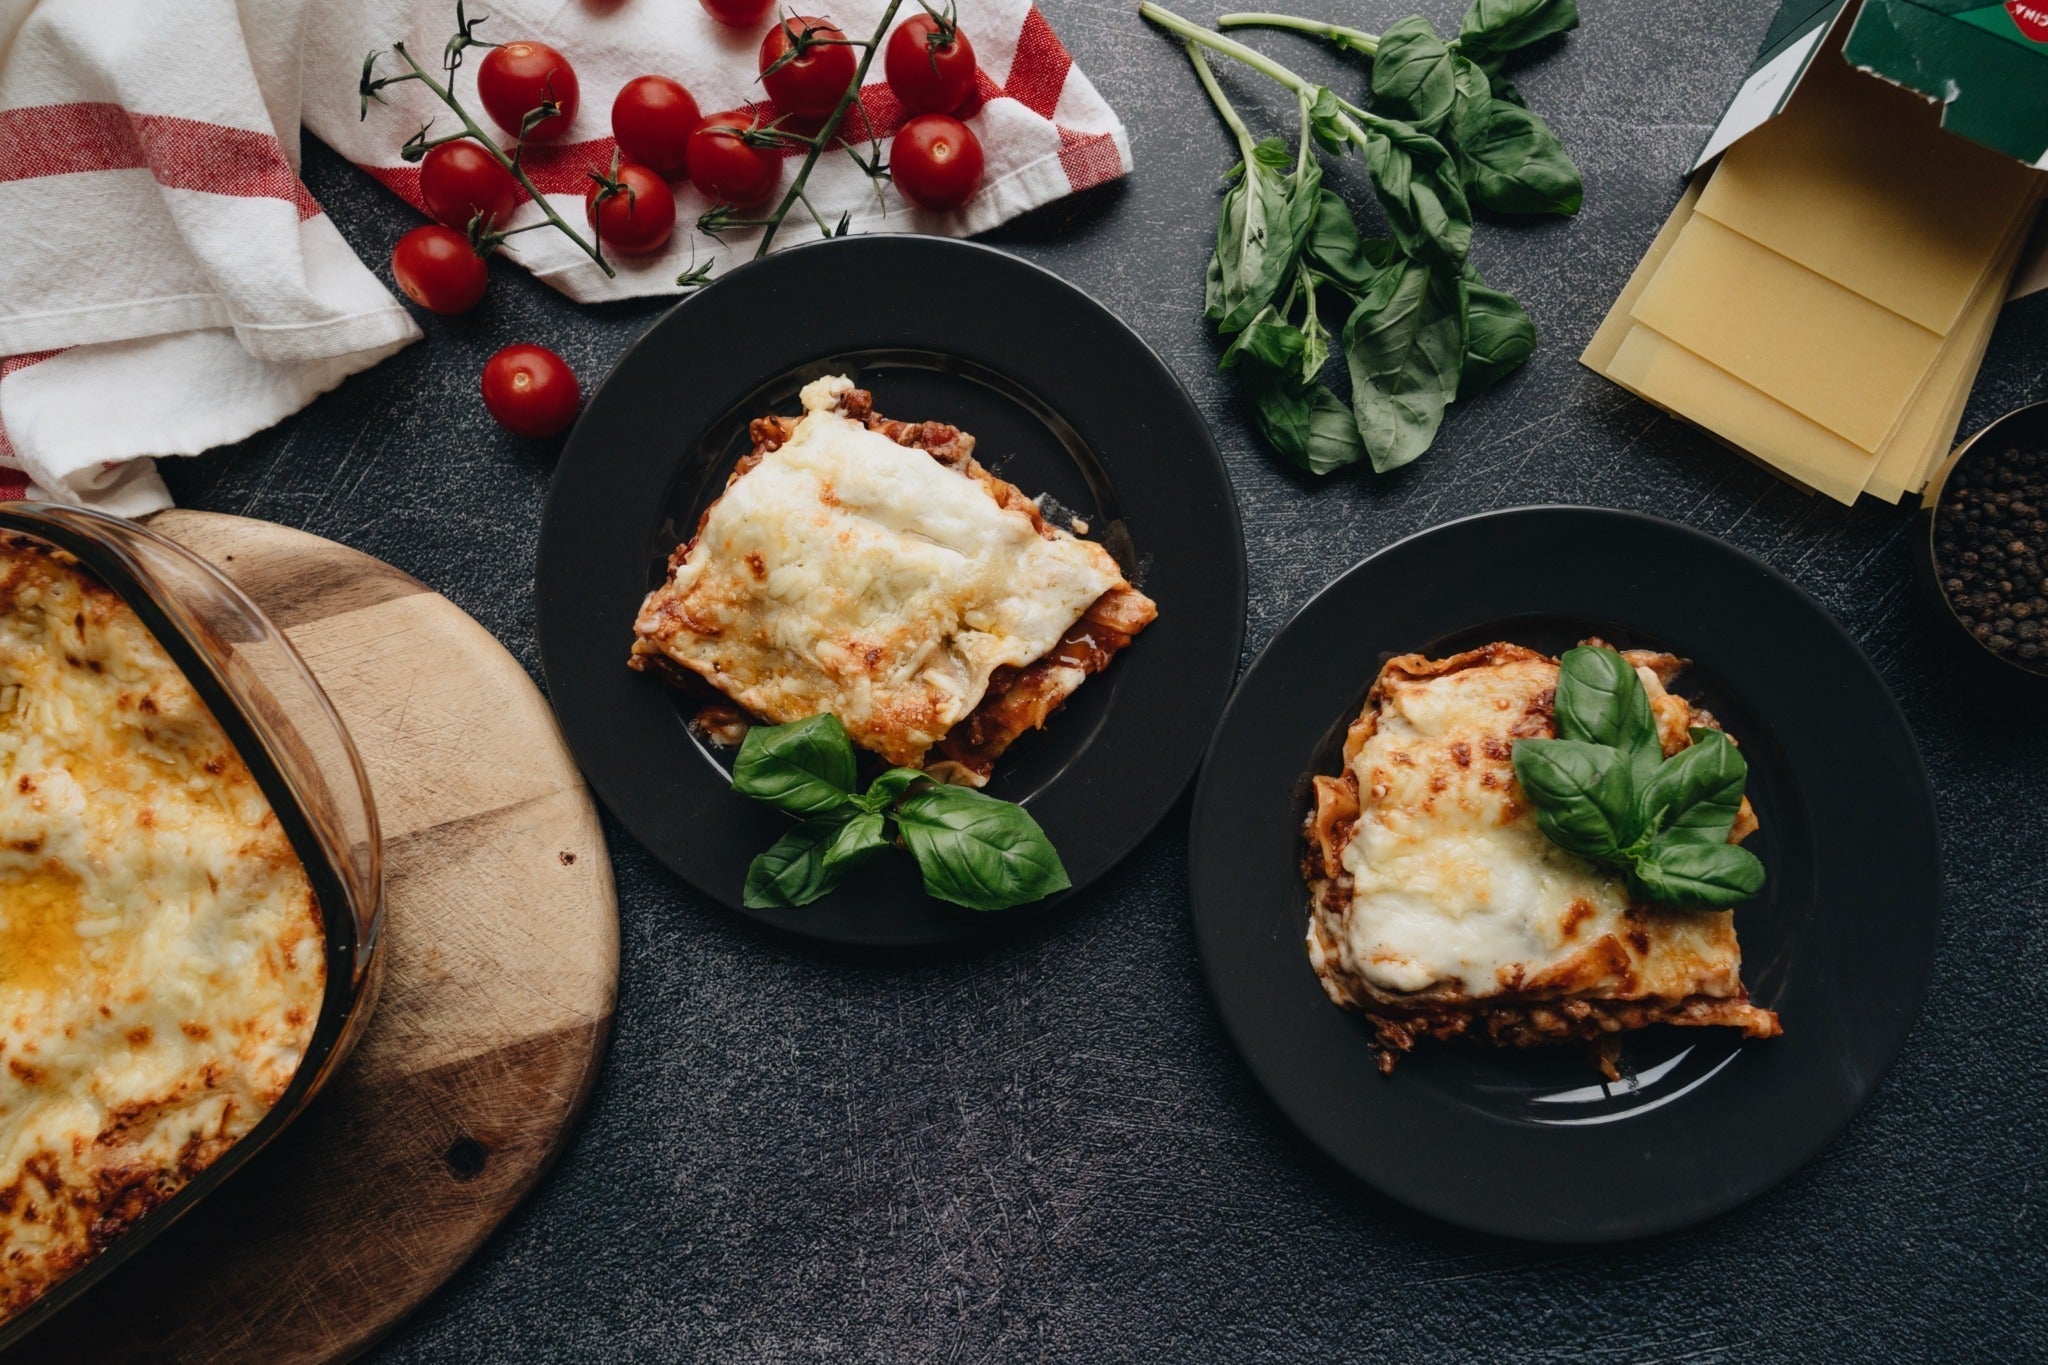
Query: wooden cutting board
(501,943)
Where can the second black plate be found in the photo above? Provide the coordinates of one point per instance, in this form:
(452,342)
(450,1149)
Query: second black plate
(1532,1143)
(1063,400)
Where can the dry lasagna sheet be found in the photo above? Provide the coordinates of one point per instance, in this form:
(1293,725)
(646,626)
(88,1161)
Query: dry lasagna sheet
(873,570)
(1439,908)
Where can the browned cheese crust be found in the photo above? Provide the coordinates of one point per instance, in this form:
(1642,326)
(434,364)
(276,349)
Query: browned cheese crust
(1648,965)
(1018,699)
(161,955)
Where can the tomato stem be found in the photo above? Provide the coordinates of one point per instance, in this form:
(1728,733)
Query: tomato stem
(828,130)
(471,130)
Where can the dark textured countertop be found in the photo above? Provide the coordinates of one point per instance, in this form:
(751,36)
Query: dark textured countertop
(1045,1147)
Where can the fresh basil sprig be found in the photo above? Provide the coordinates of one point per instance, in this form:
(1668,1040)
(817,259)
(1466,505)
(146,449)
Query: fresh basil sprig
(973,850)
(1293,284)
(1604,789)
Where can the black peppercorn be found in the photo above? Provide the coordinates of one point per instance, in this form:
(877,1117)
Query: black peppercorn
(1990,544)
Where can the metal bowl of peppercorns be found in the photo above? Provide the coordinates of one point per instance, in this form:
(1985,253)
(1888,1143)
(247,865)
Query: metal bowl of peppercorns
(1984,543)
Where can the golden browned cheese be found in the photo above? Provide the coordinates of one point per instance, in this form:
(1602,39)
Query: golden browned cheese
(162,961)
(1439,908)
(873,570)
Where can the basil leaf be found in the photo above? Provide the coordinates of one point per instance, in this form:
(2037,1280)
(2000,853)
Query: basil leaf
(1404,360)
(1512,162)
(977,851)
(1312,428)
(1678,873)
(1494,28)
(1697,792)
(883,791)
(1600,700)
(1362,267)
(805,767)
(794,871)
(1326,122)
(1265,216)
(1242,227)
(1419,186)
(1412,75)
(1498,335)
(1584,799)
(856,841)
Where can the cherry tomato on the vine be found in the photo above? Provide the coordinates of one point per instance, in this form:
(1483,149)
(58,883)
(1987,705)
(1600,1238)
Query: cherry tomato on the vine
(725,167)
(637,214)
(810,83)
(439,270)
(930,65)
(518,78)
(531,391)
(652,119)
(459,180)
(936,161)
(738,13)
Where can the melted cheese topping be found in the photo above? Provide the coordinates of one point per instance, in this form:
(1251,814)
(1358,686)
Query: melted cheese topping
(161,958)
(848,574)
(1455,891)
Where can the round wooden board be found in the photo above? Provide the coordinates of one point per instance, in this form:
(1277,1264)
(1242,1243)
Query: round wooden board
(501,963)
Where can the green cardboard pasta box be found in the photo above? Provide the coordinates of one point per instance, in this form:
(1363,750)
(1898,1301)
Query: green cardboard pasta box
(1985,64)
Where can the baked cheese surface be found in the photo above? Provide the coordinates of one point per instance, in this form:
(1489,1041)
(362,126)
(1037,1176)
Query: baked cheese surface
(1438,906)
(162,960)
(849,574)
(1454,888)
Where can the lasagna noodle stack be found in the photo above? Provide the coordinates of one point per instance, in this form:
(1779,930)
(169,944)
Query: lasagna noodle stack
(873,570)
(1822,298)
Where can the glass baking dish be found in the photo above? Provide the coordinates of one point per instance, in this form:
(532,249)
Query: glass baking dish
(277,717)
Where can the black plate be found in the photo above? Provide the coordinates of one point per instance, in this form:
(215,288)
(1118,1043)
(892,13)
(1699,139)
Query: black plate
(1841,943)
(1063,399)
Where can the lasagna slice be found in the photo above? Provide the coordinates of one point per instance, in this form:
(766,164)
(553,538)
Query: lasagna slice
(1440,909)
(874,570)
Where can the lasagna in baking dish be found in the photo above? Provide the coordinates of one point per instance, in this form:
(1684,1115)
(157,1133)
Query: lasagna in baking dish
(162,960)
(874,570)
(1440,909)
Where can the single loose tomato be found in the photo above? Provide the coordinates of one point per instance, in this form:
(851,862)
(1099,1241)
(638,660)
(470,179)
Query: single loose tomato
(459,180)
(726,167)
(439,270)
(810,82)
(930,65)
(936,161)
(531,391)
(738,13)
(652,119)
(633,209)
(520,77)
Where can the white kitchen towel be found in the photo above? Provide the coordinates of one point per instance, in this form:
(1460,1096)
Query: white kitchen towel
(166,282)
(1044,129)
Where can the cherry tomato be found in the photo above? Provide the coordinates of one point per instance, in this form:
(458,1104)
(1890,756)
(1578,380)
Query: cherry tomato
(518,78)
(636,218)
(725,167)
(936,161)
(460,180)
(653,118)
(439,270)
(531,391)
(738,13)
(808,85)
(931,70)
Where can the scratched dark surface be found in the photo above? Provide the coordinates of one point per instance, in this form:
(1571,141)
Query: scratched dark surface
(1044,1147)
